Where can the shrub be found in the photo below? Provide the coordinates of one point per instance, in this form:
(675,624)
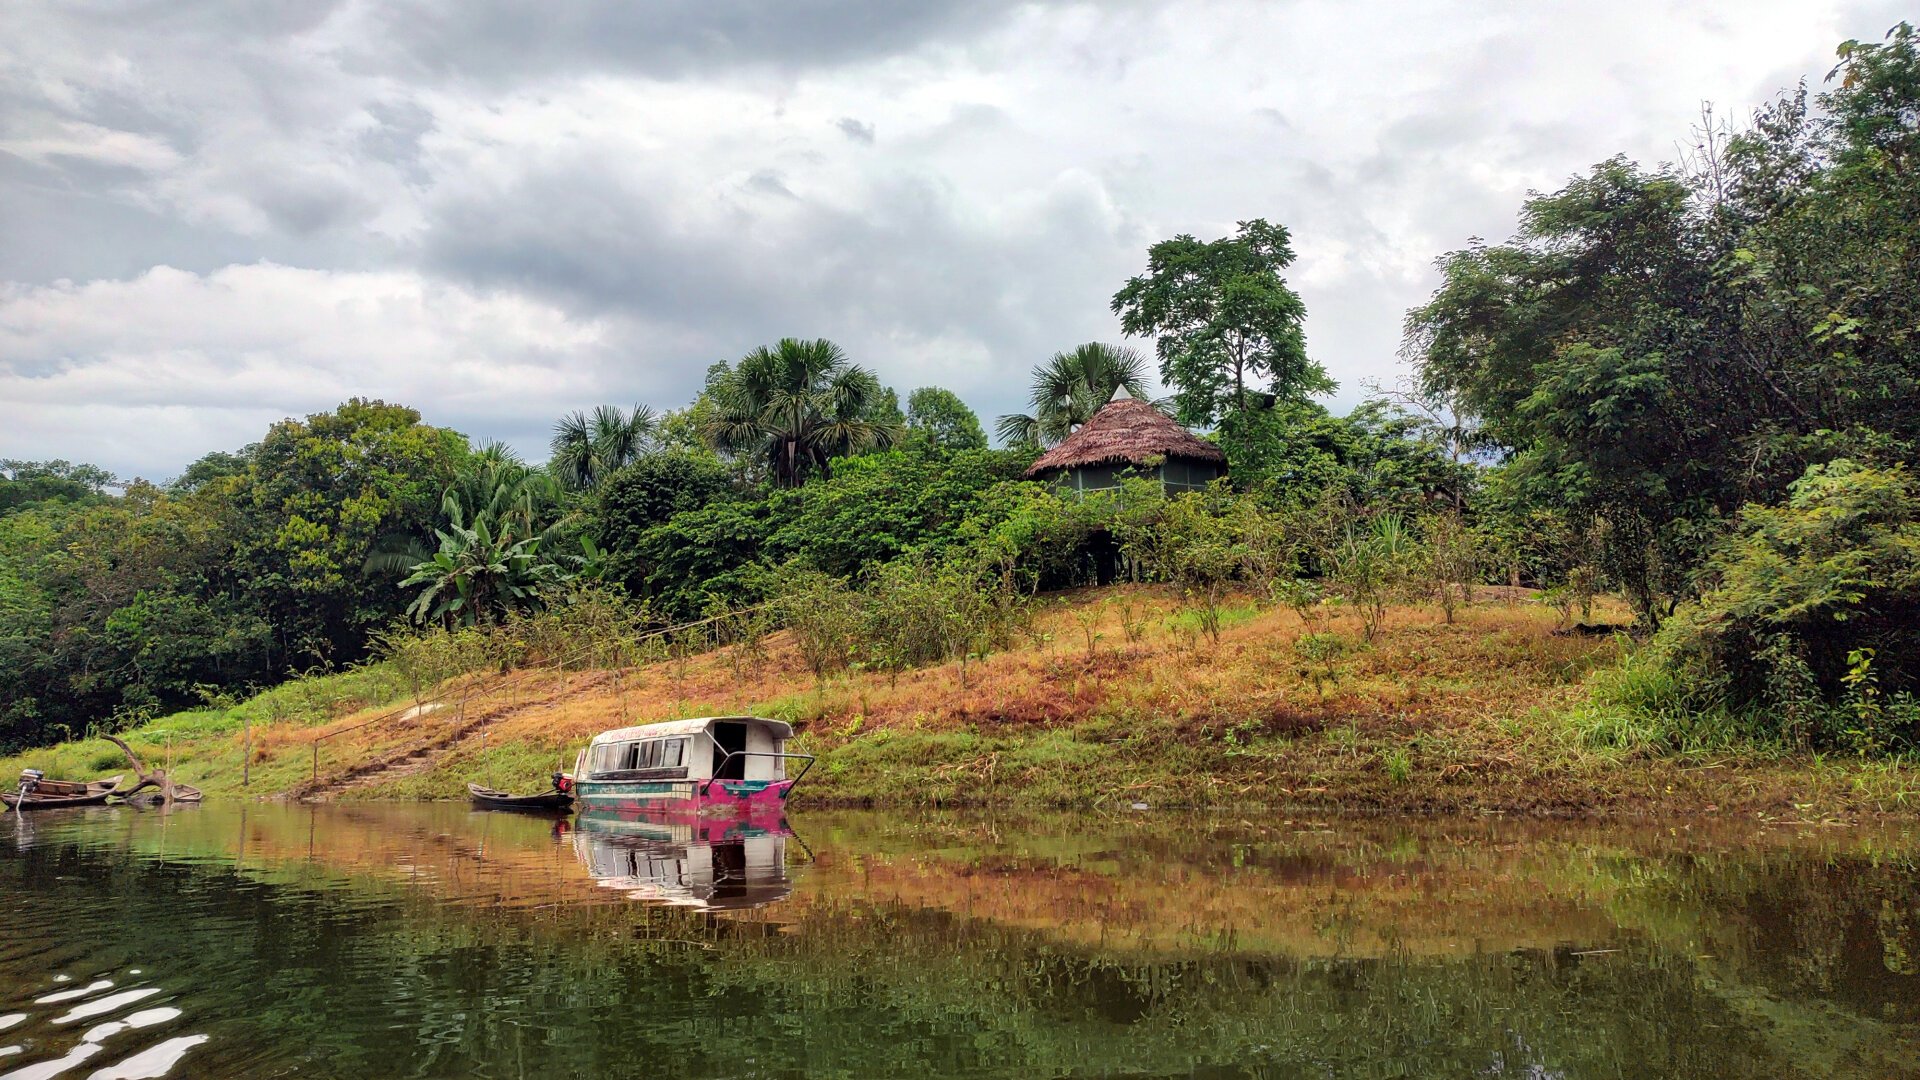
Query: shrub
(1372,566)
(1452,560)
(1811,604)
(1322,653)
(824,614)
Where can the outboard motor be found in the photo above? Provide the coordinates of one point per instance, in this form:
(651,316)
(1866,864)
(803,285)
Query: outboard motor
(29,780)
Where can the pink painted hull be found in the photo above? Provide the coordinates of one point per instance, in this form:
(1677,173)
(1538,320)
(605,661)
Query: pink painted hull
(717,798)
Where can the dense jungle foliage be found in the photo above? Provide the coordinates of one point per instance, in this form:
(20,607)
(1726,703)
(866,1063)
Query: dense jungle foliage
(1692,385)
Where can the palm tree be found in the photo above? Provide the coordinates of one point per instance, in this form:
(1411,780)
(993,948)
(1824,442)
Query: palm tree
(499,487)
(588,449)
(797,406)
(1069,388)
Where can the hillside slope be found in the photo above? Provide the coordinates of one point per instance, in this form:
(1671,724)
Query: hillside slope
(1114,699)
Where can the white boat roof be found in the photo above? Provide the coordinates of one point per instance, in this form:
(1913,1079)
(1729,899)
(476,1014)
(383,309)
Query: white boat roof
(694,726)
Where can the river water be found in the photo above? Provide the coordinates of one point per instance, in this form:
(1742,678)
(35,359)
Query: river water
(267,940)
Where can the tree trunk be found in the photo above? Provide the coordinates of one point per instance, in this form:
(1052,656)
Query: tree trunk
(1240,376)
(156,779)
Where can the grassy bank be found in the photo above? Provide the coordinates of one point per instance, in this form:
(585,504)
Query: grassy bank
(1115,697)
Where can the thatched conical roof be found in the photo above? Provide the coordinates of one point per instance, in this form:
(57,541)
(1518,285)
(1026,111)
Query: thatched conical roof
(1125,431)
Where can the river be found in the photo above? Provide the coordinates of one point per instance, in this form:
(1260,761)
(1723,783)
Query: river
(267,940)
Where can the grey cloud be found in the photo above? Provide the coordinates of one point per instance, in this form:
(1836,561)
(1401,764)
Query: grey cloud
(770,182)
(402,124)
(494,40)
(908,265)
(855,130)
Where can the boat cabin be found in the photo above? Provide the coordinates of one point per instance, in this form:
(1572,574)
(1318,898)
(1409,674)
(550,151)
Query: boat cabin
(709,748)
(712,760)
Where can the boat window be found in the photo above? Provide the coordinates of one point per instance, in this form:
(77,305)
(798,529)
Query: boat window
(631,759)
(607,757)
(649,754)
(673,753)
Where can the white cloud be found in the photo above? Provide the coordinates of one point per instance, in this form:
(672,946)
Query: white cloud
(91,142)
(146,370)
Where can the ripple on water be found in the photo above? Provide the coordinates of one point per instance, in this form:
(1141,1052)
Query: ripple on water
(154,1061)
(38,1033)
(105,1005)
(69,995)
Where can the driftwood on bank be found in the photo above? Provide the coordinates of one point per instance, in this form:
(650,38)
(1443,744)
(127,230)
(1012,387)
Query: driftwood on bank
(168,791)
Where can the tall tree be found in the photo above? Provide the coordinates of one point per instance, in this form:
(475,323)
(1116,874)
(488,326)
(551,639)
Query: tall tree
(589,448)
(944,420)
(1227,325)
(1069,388)
(796,406)
(1659,349)
(317,497)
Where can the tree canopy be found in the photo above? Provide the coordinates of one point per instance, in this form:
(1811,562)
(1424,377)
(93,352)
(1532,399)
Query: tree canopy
(942,419)
(1227,327)
(1657,348)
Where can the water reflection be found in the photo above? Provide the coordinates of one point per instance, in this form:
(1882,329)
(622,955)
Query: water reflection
(375,940)
(685,860)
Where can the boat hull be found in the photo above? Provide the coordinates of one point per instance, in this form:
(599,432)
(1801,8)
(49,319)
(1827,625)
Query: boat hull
(716,798)
(547,802)
(51,802)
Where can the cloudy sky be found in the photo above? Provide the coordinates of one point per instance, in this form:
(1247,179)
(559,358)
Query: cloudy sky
(217,213)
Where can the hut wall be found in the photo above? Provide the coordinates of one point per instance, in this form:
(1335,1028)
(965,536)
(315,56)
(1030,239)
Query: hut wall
(1185,475)
(1176,476)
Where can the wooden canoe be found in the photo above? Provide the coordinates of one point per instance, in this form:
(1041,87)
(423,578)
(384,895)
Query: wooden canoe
(490,799)
(49,794)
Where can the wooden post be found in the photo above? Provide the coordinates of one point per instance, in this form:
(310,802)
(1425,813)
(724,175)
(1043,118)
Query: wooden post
(246,751)
(316,759)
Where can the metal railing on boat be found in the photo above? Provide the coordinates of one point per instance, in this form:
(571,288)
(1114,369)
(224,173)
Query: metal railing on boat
(731,754)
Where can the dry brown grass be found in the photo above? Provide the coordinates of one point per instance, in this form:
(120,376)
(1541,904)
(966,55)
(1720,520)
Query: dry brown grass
(1245,700)
(1431,716)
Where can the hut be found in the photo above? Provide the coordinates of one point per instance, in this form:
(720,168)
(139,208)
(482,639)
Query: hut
(1130,436)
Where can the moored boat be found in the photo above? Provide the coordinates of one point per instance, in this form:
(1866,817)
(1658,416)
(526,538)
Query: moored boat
(716,764)
(685,859)
(36,792)
(488,798)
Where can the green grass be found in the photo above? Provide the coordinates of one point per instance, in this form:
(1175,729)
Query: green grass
(204,745)
(1642,707)
(1191,620)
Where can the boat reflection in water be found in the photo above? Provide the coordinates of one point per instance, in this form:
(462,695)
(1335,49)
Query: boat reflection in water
(686,860)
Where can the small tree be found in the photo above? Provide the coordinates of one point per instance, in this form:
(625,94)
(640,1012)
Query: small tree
(824,615)
(943,420)
(1452,562)
(1371,567)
